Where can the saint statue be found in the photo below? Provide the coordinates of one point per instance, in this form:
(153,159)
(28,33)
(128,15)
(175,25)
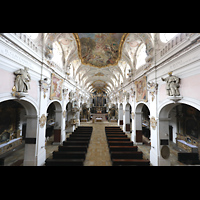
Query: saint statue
(22,80)
(172,85)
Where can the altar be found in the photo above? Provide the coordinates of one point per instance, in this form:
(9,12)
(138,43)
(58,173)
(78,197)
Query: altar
(187,147)
(99,117)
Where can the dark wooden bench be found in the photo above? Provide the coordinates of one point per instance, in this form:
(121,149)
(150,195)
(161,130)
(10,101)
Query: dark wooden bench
(69,155)
(73,148)
(112,127)
(113,130)
(79,135)
(127,155)
(132,162)
(64,162)
(118,139)
(120,143)
(75,143)
(123,148)
(78,139)
(117,135)
(188,158)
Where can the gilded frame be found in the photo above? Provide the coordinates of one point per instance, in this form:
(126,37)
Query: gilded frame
(56,87)
(141,89)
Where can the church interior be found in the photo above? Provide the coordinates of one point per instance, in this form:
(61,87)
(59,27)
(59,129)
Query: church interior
(99,99)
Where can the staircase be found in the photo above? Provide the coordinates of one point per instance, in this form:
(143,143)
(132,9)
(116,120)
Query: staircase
(122,151)
(73,150)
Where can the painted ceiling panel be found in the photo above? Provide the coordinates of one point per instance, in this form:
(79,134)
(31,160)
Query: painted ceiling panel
(100,49)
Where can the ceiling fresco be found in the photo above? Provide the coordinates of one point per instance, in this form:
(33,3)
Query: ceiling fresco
(100,49)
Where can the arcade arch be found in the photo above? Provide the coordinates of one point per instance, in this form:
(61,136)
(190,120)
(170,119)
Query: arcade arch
(21,122)
(128,120)
(54,120)
(178,122)
(142,123)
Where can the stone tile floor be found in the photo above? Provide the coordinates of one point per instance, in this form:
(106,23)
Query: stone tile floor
(98,152)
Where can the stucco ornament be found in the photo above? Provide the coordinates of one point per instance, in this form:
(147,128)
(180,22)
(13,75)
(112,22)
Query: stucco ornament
(153,123)
(42,120)
(152,88)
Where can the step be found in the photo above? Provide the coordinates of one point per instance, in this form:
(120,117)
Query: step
(75,143)
(73,148)
(118,139)
(120,143)
(69,155)
(127,155)
(123,148)
(64,162)
(130,162)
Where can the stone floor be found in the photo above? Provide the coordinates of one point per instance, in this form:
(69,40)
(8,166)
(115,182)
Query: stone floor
(98,152)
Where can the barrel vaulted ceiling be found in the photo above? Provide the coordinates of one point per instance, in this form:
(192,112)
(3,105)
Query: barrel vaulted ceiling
(99,61)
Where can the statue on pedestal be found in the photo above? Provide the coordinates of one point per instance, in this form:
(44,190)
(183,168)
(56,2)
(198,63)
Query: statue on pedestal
(21,84)
(22,80)
(172,85)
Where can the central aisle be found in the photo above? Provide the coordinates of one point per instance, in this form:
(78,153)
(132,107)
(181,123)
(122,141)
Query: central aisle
(98,152)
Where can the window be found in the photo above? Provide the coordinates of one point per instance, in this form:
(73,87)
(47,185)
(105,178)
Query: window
(141,55)
(165,37)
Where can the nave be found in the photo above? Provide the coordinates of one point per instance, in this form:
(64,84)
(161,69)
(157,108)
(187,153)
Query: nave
(97,152)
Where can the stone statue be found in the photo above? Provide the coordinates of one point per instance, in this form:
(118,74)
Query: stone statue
(22,80)
(172,85)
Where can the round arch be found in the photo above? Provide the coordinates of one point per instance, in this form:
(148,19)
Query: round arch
(31,120)
(168,126)
(140,119)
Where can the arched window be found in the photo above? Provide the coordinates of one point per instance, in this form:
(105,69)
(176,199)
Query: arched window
(165,37)
(141,55)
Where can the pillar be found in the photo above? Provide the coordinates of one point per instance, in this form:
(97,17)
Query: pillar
(138,128)
(30,152)
(57,128)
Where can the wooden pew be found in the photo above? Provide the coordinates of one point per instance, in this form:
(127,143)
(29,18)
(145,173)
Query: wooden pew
(69,155)
(127,155)
(78,139)
(75,143)
(118,139)
(120,143)
(130,162)
(79,135)
(64,162)
(123,148)
(117,135)
(72,148)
